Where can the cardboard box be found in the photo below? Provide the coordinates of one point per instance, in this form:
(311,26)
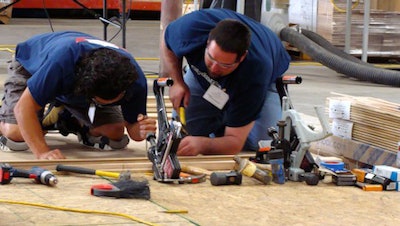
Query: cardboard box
(386,5)
(353,150)
(389,172)
(5,15)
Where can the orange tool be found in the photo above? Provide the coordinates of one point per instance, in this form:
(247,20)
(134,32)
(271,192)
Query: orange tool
(369,187)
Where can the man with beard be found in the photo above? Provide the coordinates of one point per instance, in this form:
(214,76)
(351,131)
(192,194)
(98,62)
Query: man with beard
(228,90)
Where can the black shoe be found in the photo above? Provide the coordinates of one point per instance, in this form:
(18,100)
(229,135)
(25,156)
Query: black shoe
(67,124)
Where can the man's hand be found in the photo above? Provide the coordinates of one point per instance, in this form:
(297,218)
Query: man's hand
(230,144)
(179,93)
(50,155)
(146,125)
(193,145)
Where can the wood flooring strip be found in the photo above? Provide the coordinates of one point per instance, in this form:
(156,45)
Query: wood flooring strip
(137,164)
(376,122)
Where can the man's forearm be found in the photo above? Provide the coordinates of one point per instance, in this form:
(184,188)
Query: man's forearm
(32,133)
(30,128)
(221,146)
(231,143)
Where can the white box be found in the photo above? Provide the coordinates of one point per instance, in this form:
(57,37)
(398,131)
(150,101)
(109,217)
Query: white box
(389,172)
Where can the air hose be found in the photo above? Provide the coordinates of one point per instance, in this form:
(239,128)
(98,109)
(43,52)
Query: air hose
(321,41)
(337,61)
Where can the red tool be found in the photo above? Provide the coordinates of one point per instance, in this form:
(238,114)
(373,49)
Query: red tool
(122,189)
(162,151)
(41,176)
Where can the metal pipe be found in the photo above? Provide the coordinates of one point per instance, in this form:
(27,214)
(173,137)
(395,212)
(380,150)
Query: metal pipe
(240,5)
(105,16)
(124,23)
(170,11)
(347,40)
(367,8)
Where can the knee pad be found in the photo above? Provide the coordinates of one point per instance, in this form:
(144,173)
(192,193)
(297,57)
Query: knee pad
(103,142)
(7,143)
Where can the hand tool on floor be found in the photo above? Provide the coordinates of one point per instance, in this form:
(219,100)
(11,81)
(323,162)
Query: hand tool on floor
(366,176)
(295,137)
(248,168)
(195,170)
(40,175)
(125,175)
(123,189)
(162,151)
(191,179)
(278,170)
(369,187)
(226,178)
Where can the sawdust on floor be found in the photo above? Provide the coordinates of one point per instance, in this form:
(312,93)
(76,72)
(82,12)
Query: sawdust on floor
(251,203)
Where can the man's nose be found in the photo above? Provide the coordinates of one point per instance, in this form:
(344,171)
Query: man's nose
(215,67)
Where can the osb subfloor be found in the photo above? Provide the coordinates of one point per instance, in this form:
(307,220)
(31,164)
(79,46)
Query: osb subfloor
(251,203)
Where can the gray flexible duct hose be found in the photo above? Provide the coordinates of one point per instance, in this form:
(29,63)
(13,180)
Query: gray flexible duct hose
(337,63)
(331,48)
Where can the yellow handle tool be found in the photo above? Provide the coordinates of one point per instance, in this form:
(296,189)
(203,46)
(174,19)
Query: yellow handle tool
(81,170)
(182,116)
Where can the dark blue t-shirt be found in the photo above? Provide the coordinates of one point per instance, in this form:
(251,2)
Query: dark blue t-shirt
(51,59)
(267,60)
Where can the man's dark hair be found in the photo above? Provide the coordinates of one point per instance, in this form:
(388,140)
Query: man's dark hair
(104,73)
(232,36)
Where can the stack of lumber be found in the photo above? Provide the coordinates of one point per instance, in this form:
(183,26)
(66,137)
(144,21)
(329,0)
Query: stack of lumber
(375,121)
(384,28)
(152,106)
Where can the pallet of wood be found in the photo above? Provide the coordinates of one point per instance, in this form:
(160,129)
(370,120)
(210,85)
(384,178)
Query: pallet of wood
(152,106)
(384,27)
(365,119)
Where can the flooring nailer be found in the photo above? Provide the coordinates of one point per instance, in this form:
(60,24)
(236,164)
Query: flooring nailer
(162,151)
(294,138)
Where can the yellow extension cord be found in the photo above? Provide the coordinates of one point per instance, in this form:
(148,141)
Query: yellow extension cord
(77,210)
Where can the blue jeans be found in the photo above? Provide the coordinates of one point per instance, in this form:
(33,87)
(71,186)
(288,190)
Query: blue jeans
(204,119)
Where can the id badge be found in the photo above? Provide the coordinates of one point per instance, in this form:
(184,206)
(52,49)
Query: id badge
(92,112)
(216,96)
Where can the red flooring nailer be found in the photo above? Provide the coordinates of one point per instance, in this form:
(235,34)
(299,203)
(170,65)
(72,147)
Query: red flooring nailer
(162,151)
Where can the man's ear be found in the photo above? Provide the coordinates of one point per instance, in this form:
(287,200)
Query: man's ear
(243,56)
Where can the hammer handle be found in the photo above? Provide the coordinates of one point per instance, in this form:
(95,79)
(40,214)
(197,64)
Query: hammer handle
(195,170)
(81,170)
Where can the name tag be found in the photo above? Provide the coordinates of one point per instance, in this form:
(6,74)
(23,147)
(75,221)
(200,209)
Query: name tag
(92,112)
(216,96)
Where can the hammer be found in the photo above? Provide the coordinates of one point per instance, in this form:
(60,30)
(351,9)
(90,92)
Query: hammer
(126,175)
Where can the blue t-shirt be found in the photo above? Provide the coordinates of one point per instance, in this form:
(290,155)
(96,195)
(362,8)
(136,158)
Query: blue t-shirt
(267,60)
(51,59)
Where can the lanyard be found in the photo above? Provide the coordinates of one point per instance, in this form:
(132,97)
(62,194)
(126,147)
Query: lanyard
(205,76)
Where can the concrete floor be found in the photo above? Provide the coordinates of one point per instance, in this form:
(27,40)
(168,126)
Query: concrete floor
(250,204)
